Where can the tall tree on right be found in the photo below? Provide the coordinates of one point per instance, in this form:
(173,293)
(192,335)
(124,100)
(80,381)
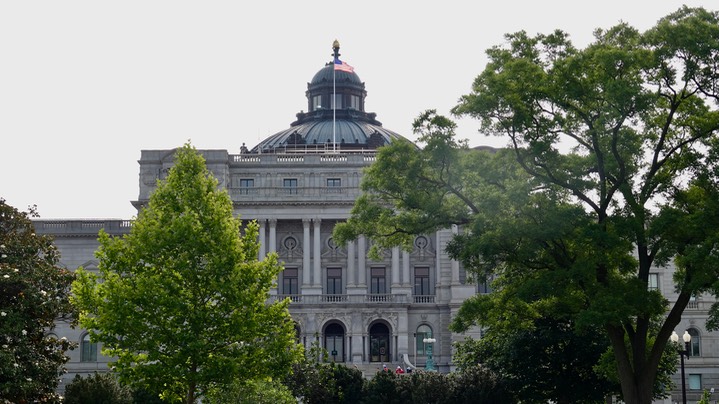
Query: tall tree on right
(624,130)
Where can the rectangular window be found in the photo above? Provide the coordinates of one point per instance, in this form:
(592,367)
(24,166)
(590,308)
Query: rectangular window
(334,182)
(421,281)
(316,102)
(246,184)
(337,100)
(695,382)
(653,282)
(484,287)
(334,281)
(289,282)
(290,185)
(378,282)
(355,102)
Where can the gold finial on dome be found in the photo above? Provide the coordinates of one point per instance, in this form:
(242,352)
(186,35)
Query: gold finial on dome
(336,44)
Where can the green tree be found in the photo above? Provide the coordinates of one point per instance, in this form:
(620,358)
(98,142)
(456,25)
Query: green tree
(34,292)
(251,392)
(477,384)
(181,301)
(639,111)
(562,362)
(618,149)
(100,388)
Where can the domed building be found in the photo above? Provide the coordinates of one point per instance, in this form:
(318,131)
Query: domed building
(297,184)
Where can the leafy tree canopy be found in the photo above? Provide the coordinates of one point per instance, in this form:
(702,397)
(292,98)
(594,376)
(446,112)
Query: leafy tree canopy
(615,172)
(34,292)
(181,301)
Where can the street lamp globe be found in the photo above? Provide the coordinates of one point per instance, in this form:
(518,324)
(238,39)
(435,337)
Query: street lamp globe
(429,365)
(687,338)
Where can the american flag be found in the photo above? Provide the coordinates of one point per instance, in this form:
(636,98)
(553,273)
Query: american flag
(344,67)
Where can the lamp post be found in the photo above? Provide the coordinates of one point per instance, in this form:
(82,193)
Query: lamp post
(682,352)
(430,363)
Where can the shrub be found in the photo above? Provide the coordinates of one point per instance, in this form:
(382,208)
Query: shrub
(100,388)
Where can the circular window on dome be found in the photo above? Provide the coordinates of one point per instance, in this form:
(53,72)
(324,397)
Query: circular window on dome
(290,243)
(421,242)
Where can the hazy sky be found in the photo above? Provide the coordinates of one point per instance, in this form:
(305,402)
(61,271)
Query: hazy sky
(86,85)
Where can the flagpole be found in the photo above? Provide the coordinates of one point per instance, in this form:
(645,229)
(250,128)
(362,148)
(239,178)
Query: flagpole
(336,48)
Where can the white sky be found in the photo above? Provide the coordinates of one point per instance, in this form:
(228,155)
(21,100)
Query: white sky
(86,85)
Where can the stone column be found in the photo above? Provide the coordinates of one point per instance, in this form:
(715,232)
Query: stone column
(273,235)
(405,269)
(455,263)
(395,266)
(262,239)
(306,266)
(362,261)
(317,273)
(438,260)
(351,271)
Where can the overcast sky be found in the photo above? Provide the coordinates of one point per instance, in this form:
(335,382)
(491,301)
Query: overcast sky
(86,85)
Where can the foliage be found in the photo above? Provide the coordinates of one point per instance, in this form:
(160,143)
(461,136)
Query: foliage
(562,362)
(706,397)
(316,380)
(474,384)
(251,392)
(383,388)
(478,384)
(34,292)
(181,300)
(423,387)
(100,388)
(141,395)
(616,146)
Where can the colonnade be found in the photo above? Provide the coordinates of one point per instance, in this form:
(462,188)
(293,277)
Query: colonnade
(400,261)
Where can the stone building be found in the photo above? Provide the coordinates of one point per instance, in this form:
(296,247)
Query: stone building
(297,184)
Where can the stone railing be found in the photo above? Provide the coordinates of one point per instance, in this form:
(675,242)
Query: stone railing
(358,157)
(82,227)
(349,193)
(423,298)
(344,299)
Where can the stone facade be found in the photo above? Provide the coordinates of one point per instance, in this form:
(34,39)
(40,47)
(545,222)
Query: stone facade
(363,311)
(297,184)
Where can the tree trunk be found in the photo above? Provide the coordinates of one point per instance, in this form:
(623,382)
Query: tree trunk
(191,384)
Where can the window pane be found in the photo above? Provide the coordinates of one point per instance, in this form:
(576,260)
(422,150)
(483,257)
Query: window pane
(695,382)
(289,281)
(290,185)
(653,282)
(337,101)
(695,343)
(421,281)
(423,331)
(88,351)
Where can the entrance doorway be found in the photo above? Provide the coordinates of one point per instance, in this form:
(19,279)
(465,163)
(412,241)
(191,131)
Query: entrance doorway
(335,342)
(379,343)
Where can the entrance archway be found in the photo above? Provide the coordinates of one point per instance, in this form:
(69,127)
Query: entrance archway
(335,342)
(379,343)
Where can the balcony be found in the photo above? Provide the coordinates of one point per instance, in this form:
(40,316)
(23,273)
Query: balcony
(371,299)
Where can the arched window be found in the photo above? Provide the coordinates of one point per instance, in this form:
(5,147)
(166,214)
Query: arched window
(695,344)
(88,349)
(423,331)
(335,342)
